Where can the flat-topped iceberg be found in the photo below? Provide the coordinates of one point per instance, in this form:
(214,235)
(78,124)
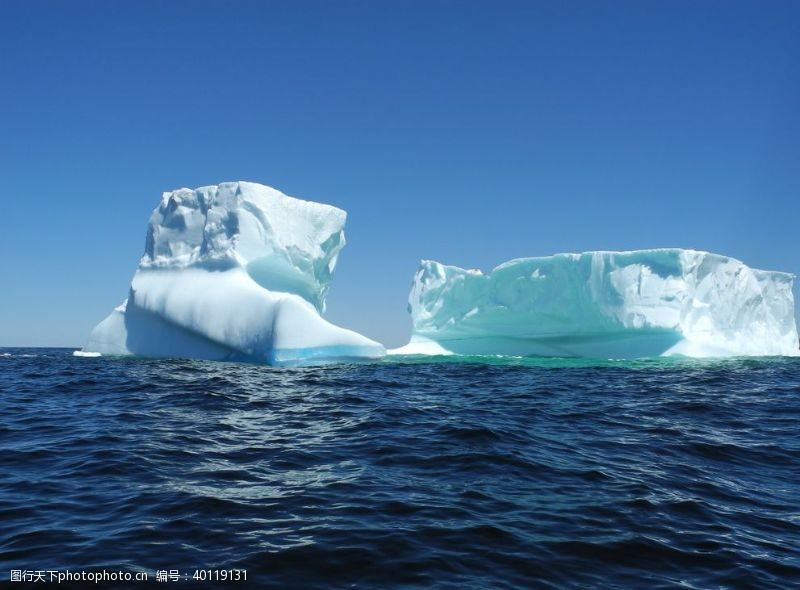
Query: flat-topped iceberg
(237,271)
(604,304)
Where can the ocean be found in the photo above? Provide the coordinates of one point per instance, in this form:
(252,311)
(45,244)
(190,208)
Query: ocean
(443,473)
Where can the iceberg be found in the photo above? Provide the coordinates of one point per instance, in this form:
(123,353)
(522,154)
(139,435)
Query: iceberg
(604,304)
(237,271)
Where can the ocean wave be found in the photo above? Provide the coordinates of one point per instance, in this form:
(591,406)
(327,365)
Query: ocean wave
(442,473)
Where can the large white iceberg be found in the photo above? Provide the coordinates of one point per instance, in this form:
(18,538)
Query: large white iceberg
(237,271)
(604,304)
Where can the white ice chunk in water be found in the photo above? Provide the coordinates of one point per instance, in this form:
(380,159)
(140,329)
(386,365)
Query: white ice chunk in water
(237,271)
(604,304)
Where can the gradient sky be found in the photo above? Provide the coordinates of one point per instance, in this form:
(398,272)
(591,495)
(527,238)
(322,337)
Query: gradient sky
(466,132)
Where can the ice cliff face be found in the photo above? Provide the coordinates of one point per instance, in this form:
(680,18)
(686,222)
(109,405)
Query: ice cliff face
(604,304)
(235,271)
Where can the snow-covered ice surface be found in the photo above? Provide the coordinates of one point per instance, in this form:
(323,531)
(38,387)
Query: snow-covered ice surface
(237,271)
(604,304)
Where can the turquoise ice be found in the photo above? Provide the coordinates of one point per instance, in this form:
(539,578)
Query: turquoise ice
(604,304)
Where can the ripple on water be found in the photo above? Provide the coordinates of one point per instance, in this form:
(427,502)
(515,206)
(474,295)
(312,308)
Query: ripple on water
(437,473)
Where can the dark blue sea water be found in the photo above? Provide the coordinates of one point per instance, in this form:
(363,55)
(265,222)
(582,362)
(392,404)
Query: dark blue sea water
(457,474)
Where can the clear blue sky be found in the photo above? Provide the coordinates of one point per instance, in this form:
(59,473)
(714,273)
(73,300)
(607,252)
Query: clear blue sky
(466,132)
